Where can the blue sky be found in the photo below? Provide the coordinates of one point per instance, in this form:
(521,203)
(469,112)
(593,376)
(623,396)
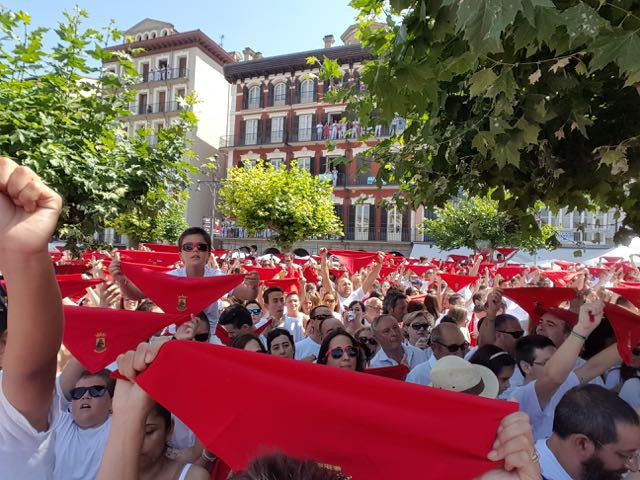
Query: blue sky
(273,27)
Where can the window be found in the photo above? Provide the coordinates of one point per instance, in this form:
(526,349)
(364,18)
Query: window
(254,97)
(251,132)
(304,127)
(280,94)
(164,32)
(138,37)
(277,163)
(142,103)
(162,101)
(304,163)
(306,91)
(145,72)
(277,129)
(362,222)
(146,36)
(394,225)
(153,34)
(182,67)
(249,163)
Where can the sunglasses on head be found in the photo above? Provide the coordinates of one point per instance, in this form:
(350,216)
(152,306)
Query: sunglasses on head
(454,348)
(421,326)
(516,334)
(338,352)
(201,337)
(190,246)
(368,341)
(322,317)
(255,311)
(95,391)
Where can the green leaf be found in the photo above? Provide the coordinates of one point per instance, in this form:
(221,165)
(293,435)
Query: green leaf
(481,81)
(622,49)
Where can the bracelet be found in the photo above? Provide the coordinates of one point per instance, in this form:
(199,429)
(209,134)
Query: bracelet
(206,456)
(577,335)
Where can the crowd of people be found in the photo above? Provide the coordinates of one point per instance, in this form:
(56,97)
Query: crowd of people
(555,349)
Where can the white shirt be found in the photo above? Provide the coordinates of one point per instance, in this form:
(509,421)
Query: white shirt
(549,465)
(355,295)
(25,453)
(421,374)
(414,357)
(78,450)
(542,420)
(292,325)
(212,311)
(630,392)
(307,347)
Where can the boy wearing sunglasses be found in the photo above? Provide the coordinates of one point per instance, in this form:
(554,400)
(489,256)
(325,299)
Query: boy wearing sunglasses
(29,212)
(85,421)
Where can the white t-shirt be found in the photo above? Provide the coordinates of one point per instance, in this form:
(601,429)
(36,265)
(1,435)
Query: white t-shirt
(630,392)
(25,453)
(542,420)
(414,356)
(421,374)
(355,295)
(292,325)
(549,465)
(78,451)
(307,347)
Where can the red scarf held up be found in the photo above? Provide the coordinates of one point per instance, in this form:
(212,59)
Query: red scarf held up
(180,295)
(458,282)
(322,413)
(626,326)
(264,273)
(153,258)
(96,336)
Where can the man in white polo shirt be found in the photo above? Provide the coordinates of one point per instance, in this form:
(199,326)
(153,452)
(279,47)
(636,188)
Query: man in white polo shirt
(29,213)
(596,436)
(392,350)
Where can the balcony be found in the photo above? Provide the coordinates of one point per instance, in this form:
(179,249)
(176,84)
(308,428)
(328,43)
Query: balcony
(164,74)
(143,108)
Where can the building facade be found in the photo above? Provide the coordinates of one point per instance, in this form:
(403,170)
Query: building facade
(174,65)
(278,114)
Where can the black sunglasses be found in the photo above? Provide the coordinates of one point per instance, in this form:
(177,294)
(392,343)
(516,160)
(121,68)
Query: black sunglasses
(189,246)
(95,391)
(255,311)
(336,353)
(201,337)
(454,348)
(421,326)
(516,334)
(368,341)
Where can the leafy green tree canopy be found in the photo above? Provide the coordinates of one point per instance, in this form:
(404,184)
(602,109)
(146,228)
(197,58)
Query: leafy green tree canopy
(290,202)
(60,114)
(477,222)
(531,100)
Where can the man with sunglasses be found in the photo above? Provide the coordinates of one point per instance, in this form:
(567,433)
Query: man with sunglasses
(83,428)
(195,252)
(446,339)
(309,348)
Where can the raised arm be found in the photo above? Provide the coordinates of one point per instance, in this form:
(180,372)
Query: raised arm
(487,332)
(374,273)
(324,270)
(29,211)
(563,362)
(128,289)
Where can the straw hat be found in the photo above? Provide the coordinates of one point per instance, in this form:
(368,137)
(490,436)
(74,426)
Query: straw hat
(457,375)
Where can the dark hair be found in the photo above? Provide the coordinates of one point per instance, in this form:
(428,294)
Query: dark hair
(502,320)
(431,305)
(241,341)
(391,299)
(375,294)
(279,466)
(324,348)
(3,310)
(456,297)
(278,332)
(593,411)
(163,413)
(358,302)
(236,315)
(448,319)
(526,347)
(601,337)
(492,357)
(195,231)
(269,291)
(415,306)
(104,374)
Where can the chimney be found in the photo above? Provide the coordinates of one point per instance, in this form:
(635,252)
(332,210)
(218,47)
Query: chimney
(257,56)
(328,41)
(249,54)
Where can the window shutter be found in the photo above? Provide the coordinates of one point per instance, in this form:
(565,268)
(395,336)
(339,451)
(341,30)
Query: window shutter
(288,92)
(296,98)
(383,224)
(245,97)
(372,222)
(270,95)
(351,229)
(313,163)
(243,130)
(267,131)
(323,165)
(296,122)
(259,136)
(406,226)
(261,87)
(315,89)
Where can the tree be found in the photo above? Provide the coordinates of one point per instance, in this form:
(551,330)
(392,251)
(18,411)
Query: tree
(67,126)
(530,100)
(472,222)
(290,202)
